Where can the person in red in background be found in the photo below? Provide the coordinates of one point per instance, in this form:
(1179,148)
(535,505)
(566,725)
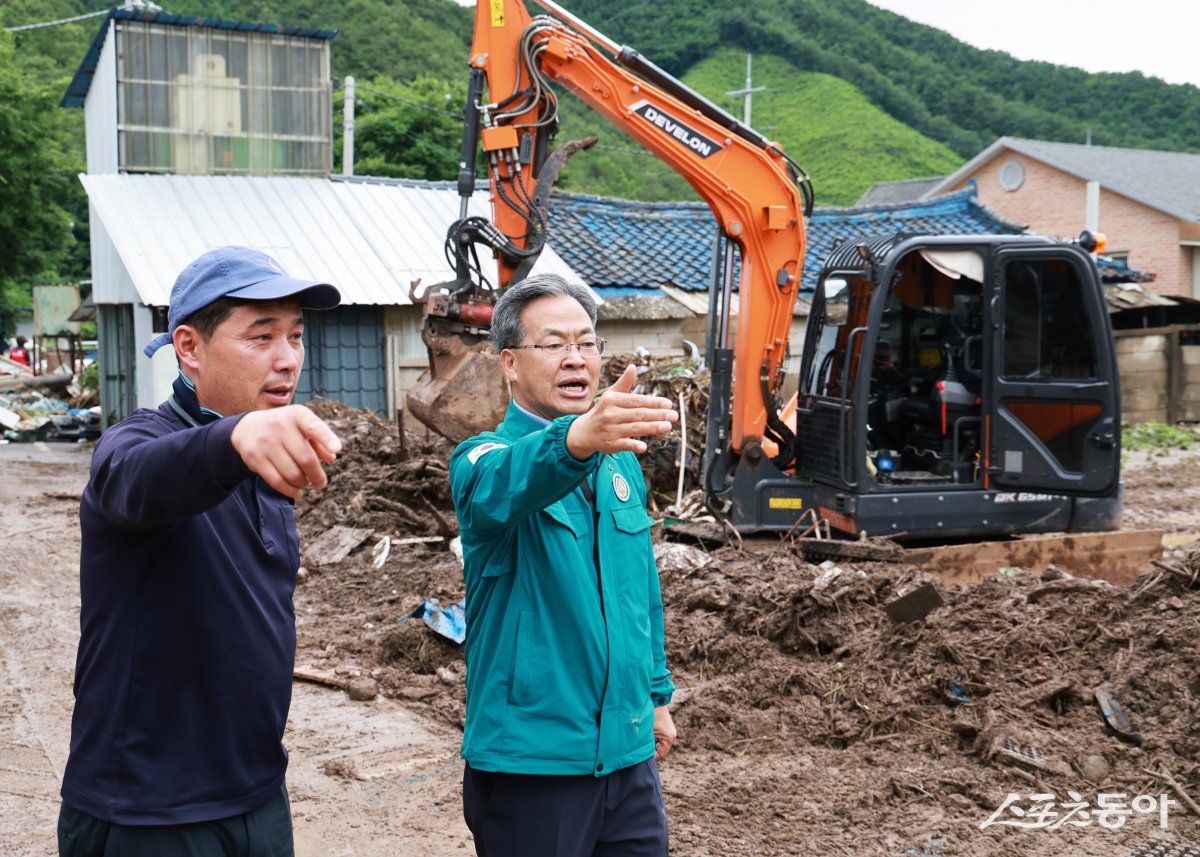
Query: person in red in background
(19,353)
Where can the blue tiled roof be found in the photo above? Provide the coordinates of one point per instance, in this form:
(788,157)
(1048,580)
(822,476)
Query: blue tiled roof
(77,90)
(621,243)
(615,242)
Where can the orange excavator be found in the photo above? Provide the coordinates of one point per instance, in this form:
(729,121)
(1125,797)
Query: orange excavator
(949,386)
(758,195)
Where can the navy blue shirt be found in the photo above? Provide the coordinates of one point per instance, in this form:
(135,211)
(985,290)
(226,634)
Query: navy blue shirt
(188,634)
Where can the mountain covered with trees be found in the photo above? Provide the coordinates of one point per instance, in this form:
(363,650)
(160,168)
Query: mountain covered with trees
(856,94)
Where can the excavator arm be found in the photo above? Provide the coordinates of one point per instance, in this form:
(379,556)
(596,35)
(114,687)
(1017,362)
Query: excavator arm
(759,197)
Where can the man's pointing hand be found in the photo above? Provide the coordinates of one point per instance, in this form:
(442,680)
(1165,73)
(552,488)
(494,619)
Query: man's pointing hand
(286,446)
(619,418)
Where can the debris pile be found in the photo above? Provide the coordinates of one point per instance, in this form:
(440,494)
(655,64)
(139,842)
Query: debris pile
(1038,682)
(812,651)
(685,382)
(383,481)
(30,415)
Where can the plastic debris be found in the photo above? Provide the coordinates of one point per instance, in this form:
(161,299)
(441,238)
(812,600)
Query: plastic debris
(449,620)
(1114,714)
(675,556)
(956,693)
(381,551)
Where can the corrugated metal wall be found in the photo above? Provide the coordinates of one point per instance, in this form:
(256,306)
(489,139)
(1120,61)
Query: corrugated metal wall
(118,381)
(100,112)
(344,358)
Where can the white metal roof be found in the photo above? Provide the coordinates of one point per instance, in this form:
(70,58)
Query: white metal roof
(370,239)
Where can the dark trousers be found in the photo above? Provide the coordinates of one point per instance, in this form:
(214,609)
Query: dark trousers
(263,832)
(524,815)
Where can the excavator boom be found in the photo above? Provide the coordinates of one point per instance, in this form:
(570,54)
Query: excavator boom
(759,197)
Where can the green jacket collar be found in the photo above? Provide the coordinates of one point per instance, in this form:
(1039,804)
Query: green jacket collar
(518,422)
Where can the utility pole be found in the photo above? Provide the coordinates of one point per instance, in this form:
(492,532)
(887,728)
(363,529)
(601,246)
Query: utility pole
(348,128)
(747,93)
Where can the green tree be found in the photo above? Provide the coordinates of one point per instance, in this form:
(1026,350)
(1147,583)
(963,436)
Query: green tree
(406,130)
(38,165)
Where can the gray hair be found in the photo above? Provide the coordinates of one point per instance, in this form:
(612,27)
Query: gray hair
(507,330)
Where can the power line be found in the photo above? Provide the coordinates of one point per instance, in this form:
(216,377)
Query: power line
(143,5)
(56,23)
(362,88)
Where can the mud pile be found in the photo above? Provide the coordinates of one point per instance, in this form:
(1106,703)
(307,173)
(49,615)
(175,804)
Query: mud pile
(381,481)
(783,661)
(771,657)
(351,612)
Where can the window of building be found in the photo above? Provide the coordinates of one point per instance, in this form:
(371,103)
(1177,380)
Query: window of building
(1012,176)
(202,101)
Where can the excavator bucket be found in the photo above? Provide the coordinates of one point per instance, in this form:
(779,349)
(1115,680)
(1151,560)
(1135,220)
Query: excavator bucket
(464,391)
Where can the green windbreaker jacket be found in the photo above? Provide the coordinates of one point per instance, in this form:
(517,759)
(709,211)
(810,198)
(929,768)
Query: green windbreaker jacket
(565,663)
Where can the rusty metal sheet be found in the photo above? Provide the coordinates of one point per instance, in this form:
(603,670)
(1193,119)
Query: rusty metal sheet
(1117,556)
(914,606)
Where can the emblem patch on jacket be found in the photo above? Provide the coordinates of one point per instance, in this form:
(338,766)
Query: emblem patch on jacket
(620,487)
(474,454)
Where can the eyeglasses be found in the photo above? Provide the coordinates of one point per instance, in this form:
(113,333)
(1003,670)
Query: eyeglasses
(589,348)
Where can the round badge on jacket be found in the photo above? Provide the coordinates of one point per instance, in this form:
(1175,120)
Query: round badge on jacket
(620,487)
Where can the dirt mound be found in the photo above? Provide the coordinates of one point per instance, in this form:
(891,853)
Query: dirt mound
(759,635)
(379,482)
(793,674)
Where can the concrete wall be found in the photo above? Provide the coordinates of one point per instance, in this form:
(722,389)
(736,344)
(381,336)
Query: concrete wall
(1160,376)
(1054,203)
(662,337)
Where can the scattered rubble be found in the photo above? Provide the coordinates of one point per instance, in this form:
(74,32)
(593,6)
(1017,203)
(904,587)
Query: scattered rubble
(952,696)
(31,409)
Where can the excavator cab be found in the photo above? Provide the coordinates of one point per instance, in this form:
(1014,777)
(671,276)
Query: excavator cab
(949,386)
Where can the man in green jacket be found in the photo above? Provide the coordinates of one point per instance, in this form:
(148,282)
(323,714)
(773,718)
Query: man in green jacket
(567,681)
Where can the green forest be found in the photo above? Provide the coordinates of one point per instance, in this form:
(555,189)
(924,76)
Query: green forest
(854,93)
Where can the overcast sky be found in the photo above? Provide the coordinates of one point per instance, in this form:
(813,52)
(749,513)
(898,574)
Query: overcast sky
(1155,37)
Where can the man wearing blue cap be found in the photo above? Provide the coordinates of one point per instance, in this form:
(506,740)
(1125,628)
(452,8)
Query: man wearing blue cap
(188,564)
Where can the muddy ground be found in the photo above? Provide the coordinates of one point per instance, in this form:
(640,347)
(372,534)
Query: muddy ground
(809,721)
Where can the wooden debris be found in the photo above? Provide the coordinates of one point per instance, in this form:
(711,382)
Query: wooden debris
(1165,775)
(316,676)
(334,545)
(1042,692)
(915,605)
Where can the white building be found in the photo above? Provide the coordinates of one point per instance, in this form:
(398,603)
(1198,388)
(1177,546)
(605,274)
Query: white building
(202,133)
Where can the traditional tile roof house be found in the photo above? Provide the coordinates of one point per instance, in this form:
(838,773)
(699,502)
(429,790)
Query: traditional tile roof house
(615,243)
(652,262)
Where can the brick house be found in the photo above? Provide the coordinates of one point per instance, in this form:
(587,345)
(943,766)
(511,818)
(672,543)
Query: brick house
(1146,202)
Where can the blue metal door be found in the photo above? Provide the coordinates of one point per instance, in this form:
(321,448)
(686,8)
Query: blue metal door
(344,357)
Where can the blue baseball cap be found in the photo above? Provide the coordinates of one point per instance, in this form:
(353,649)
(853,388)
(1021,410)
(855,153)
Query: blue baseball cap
(238,272)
